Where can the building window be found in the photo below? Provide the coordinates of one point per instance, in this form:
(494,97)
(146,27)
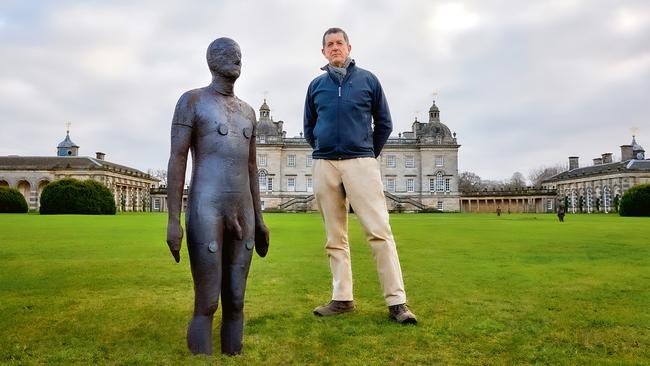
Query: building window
(607,204)
(589,200)
(291,184)
(261,176)
(439,205)
(410,185)
(269,184)
(309,160)
(261,159)
(310,184)
(156,204)
(447,184)
(549,205)
(291,160)
(391,162)
(439,140)
(573,201)
(439,182)
(262,139)
(440,160)
(432,185)
(262,202)
(409,161)
(390,184)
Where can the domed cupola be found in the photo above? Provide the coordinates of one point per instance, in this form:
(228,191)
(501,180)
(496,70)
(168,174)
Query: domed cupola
(265,111)
(266,126)
(67,147)
(637,150)
(434,113)
(434,131)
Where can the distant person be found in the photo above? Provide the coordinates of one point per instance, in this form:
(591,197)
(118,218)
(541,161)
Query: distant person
(341,108)
(223,220)
(560,213)
(498,211)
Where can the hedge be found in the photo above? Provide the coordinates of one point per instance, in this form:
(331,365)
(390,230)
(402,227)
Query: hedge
(72,196)
(636,201)
(12,201)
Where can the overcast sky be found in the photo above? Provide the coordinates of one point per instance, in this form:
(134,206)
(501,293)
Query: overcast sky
(522,85)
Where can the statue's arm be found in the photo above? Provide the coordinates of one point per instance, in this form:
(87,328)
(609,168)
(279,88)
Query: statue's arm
(261,231)
(181,138)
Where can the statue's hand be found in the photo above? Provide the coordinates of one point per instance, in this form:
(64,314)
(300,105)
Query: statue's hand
(174,238)
(261,239)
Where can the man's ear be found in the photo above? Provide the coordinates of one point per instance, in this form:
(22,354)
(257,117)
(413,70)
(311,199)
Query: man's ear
(322,50)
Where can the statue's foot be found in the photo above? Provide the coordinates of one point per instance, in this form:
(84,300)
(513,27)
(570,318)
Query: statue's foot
(199,335)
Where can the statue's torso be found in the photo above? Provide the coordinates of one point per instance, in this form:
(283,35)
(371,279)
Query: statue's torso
(221,138)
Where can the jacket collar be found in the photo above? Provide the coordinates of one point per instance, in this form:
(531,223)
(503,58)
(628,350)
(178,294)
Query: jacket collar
(350,66)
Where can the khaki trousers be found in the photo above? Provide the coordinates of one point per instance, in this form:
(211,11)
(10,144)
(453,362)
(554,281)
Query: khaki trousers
(358,181)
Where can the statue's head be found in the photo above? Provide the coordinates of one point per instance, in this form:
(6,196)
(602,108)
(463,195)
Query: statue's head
(224,58)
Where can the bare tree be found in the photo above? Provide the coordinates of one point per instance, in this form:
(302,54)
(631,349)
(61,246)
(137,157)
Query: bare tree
(517,180)
(160,174)
(541,173)
(468,182)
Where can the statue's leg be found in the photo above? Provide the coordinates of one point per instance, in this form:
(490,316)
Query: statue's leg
(236,260)
(205,245)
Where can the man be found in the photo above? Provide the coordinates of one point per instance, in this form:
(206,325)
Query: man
(223,218)
(340,108)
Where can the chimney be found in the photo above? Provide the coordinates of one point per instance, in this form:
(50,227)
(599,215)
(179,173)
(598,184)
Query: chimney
(573,162)
(100,155)
(626,152)
(607,158)
(598,161)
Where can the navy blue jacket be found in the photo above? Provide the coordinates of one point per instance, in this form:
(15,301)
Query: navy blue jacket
(338,121)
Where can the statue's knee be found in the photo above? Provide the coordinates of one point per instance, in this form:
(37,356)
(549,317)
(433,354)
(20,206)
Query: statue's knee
(235,305)
(206,309)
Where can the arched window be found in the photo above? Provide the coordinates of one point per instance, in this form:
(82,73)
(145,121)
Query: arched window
(261,176)
(440,183)
(26,190)
(573,201)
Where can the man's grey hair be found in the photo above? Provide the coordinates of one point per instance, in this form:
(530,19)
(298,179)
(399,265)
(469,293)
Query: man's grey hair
(335,30)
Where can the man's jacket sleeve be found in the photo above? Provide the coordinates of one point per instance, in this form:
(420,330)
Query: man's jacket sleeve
(309,119)
(381,118)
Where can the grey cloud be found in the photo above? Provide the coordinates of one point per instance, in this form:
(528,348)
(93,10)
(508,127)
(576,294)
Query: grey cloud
(526,85)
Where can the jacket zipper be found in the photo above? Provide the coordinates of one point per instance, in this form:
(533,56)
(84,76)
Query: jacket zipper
(338,122)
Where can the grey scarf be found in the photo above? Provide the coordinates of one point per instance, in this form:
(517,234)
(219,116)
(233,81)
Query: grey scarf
(340,72)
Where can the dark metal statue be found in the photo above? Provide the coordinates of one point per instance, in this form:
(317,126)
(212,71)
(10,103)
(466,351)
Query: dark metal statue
(223,217)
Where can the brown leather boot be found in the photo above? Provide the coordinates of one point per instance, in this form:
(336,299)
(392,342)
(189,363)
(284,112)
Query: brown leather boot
(334,307)
(401,314)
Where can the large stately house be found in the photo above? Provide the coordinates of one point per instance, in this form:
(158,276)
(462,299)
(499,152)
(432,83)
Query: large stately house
(30,174)
(599,186)
(419,168)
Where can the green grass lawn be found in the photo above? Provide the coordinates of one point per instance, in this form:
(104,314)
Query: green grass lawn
(512,290)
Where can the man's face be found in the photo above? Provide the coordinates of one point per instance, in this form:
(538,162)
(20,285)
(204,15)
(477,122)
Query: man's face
(225,59)
(336,49)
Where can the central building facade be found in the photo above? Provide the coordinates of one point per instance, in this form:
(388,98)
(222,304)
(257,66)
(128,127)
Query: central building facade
(419,168)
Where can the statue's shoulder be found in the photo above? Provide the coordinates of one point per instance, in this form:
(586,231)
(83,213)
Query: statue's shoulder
(191,97)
